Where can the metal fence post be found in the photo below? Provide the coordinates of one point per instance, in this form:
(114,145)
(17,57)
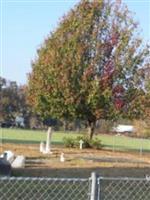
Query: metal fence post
(93,186)
(99,188)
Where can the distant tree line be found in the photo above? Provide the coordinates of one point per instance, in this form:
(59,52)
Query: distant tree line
(14,109)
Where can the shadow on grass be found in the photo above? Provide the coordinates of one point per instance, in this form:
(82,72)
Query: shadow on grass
(107,147)
(26,142)
(81,172)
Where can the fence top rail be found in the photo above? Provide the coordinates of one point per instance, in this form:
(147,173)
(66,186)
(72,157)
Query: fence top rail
(73,179)
(125,178)
(44,179)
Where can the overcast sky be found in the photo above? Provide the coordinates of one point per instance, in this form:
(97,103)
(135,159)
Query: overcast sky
(25,24)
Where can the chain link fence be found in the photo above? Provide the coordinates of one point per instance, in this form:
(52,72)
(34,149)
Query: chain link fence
(44,189)
(93,188)
(123,189)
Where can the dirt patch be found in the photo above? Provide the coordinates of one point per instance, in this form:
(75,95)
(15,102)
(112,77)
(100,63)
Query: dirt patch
(79,163)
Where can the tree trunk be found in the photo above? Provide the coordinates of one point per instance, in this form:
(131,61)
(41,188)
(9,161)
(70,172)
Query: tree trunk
(65,125)
(91,128)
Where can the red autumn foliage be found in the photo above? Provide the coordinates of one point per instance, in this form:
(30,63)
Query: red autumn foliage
(118,89)
(88,72)
(107,73)
(118,103)
(109,68)
(114,38)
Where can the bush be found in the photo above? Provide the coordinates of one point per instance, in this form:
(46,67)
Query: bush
(96,143)
(147,133)
(69,142)
(87,143)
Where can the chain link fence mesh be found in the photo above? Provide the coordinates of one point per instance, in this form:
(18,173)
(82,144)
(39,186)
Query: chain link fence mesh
(124,189)
(21,188)
(44,189)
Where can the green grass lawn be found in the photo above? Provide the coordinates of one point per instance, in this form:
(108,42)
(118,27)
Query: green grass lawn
(109,141)
(124,142)
(32,136)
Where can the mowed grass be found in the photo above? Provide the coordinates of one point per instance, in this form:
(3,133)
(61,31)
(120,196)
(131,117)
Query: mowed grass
(120,142)
(125,143)
(32,136)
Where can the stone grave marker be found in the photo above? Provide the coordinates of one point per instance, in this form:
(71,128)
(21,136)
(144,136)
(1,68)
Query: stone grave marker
(42,147)
(62,158)
(9,156)
(47,149)
(81,144)
(19,162)
(5,167)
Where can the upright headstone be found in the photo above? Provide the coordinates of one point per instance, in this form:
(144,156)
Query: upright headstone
(42,147)
(81,144)
(48,141)
(9,156)
(62,158)
(19,162)
(5,167)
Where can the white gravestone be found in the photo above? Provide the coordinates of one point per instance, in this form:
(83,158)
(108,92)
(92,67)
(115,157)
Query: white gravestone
(81,144)
(48,142)
(62,158)
(19,162)
(9,156)
(42,147)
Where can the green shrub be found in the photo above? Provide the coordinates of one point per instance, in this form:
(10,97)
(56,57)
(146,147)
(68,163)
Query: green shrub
(87,143)
(96,143)
(69,142)
(146,133)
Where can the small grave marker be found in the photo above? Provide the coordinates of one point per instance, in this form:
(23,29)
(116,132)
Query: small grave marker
(5,167)
(9,156)
(42,147)
(81,144)
(19,162)
(62,158)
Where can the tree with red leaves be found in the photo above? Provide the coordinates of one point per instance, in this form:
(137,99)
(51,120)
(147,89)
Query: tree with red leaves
(88,67)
